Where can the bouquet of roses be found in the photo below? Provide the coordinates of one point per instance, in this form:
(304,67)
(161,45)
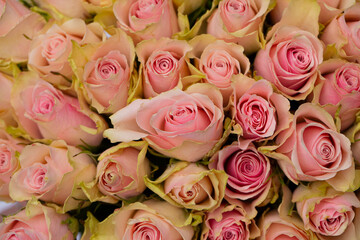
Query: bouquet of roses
(180,119)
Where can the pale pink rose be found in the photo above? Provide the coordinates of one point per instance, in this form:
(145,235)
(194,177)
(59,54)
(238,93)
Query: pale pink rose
(12,12)
(49,51)
(191,186)
(313,150)
(45,112)
(344,32)
(163,64)
(69,8)
(260,112)
(9,148)
(330,216)
(339,85)
(355,148)
(238,21)
(150,220)
(121,171)
(219,61)
(146,19)
(36,222)
(249,173)
(6,112)
(228,222)
(50,173)
(290,61)
(173,122)
(107,75)
(274,227)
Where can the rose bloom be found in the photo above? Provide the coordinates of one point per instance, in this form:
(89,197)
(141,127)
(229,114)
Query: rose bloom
(344,32)
(173,122)
(228,222)
(339,84)
(260,112)
(190,185)
(150,220)
(107,74)
(329,215)
(290,60)
(121,171)
(36,222)
(248,171)
(49,52)
(313,150)
(163,64)
(9,148)
(146,19)
(238,21)
(45,112)
(50,173)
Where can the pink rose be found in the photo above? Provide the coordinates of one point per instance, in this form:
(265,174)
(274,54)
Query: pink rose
(45,112)
(146,19)
(173,122)
(51,173)
(330,216)
(107,75)
(249,174)
(150,220)
(163,64)
(9,148)
(339,85)
(238,21)
(12,12)
(49,52)
(191,186)
(313,150)
(121,171)
(260,112)
(228,222)
(290,60)
(344,32)
(35,222)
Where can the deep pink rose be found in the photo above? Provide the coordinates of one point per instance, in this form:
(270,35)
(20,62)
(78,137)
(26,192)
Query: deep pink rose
(290,61)
(344,32)
(260,112)
(339,85)
(146,19)
(313,150)
(173,122)
(36,222)
(45,112)
(163,64)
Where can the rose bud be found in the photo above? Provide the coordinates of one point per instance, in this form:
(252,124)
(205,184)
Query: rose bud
(36,222)
(163,64)
(45,112)
(290,61)
(228,222)
(343,32)
(328,213)
(150,220)
(249,174)
(178,121)
(219,61)
(339,85)
(313,150)
(9,149)
(238,21)
(260,112)
(104,70)
(146,19)
(52,174)
(190,185)
(121,170)
(50,51)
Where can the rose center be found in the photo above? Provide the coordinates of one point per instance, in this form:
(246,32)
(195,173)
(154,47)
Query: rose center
(108,68)
(146,231)
(5,158)
(236,7)
(54,46)
(348,77)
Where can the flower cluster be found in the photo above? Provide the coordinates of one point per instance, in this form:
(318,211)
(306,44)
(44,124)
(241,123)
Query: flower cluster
(180,119)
